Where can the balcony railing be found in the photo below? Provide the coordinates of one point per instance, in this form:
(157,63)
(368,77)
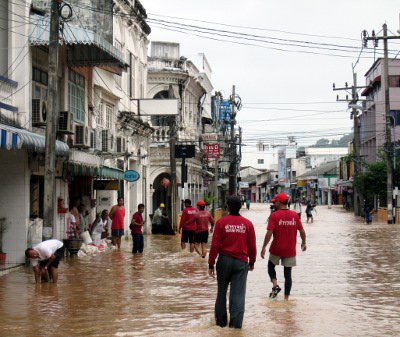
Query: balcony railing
(161,134)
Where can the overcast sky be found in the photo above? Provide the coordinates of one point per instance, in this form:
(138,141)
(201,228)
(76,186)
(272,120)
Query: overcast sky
(284,93)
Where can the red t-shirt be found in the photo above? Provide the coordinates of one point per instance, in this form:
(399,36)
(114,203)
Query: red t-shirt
(137,229)
(187,214)
(118,218)
(202,219)
(234,237)
(284,224)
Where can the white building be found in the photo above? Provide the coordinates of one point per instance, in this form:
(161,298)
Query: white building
(171,75)
(102,70)
(265,156)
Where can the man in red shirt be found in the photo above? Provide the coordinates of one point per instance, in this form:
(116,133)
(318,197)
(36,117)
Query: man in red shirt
(201,219)
(117,215)
(234,242)
(283,225)
(136,230)
(187,230)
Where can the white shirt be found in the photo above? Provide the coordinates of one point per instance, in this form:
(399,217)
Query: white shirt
(297,207)
(46,249)
(100,227)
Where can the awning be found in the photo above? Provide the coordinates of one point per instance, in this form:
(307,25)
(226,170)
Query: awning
(371,86)
(104,172)
(13,138)
(87,48)
(111,173)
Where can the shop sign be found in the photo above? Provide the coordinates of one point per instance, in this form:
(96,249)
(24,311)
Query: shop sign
(243,184)
(212,150)
(131,176)
(209,137)
(106,185)
(301,183)
(184,151)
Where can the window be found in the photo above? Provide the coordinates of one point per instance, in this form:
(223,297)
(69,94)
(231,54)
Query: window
(76,96)
(40,82)
(141,79)
(109,116)
(131,80)
(99,115)
(118,78)
(394,81)
(260,161)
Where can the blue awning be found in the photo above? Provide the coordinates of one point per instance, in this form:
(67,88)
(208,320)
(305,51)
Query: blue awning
(12,138)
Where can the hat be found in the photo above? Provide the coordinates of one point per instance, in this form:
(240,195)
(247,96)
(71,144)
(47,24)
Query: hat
(201,203)
(162,205)
(273,200)
(282,198)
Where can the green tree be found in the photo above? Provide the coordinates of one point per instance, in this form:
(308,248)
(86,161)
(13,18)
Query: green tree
(373,180)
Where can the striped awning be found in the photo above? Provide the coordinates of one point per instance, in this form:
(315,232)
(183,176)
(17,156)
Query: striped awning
(98,173)
(13,138)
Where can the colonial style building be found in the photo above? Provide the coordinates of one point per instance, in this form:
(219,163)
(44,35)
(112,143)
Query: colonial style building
(101,74)
(171,75)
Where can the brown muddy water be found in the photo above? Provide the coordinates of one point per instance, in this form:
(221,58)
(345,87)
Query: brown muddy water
(346,284)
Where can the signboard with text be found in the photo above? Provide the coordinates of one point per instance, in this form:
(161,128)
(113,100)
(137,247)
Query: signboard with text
(209,137)
(212,150)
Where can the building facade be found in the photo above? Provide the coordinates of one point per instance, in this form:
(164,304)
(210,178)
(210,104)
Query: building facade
(373,116)
(172,76)
(101,71)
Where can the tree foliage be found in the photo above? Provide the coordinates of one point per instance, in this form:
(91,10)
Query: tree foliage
(342,142)
(373,180)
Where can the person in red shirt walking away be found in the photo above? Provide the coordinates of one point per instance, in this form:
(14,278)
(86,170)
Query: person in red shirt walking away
(202,218)
(136,230)
(283,225)
(234,242)
(187,230)
(117,215)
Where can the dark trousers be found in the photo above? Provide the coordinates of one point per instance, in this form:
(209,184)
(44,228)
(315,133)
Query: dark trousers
(287,272)
(137,243)
(234,272)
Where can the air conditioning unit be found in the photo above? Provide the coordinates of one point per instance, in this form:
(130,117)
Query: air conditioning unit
(121,145)
(107,141)
(39,111)
(65,122)
(82,138)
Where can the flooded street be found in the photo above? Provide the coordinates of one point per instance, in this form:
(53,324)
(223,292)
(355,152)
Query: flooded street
(346,284)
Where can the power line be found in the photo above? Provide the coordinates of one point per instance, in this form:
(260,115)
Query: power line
(257,28)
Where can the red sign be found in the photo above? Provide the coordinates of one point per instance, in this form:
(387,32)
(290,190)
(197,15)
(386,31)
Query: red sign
(212,150)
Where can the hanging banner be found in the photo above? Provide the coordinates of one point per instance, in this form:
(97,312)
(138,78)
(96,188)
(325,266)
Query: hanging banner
(212,150)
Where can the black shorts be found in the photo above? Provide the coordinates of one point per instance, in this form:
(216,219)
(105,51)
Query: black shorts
(309,215)
(117,232)
(58,254)
(187,236)
(201,237)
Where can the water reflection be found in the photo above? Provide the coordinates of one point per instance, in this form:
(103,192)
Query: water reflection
(346,284)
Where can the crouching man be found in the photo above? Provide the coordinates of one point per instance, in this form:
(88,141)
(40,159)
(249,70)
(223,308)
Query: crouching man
(45,258)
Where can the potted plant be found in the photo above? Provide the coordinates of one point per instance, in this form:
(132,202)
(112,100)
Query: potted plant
(3,229)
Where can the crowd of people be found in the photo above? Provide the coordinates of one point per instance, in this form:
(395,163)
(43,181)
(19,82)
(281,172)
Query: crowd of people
(232,253)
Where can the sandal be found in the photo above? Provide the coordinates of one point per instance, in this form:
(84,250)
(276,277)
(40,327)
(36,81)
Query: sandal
(275,292)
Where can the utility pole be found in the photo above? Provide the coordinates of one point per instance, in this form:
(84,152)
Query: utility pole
(358,197)
(233,164)
(388,150)
(49,220)
(174,199)
(216,168)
